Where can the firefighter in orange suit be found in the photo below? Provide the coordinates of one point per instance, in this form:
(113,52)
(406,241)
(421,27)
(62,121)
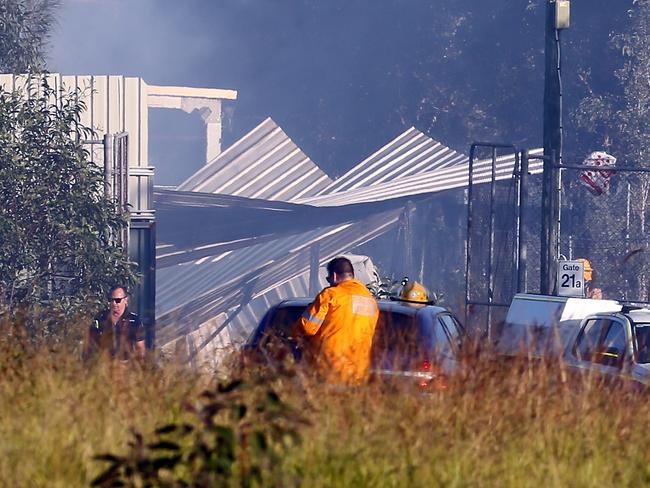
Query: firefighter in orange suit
(590,290)
(341,321)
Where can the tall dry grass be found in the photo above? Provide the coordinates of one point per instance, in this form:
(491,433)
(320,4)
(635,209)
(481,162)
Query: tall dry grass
(520,424)
(56,412)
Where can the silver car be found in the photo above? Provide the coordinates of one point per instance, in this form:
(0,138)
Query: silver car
(614,343)
(416,343)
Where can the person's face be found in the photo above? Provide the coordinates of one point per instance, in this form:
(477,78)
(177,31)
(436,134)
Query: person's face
(330,279)
(333,278)
(119,301)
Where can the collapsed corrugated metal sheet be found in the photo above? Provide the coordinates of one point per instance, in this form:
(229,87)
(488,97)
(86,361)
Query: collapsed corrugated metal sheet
(229,223)
(215,279)
(265,163)
(226,223)
(410,153)
(206,345)
(446,178)
(190,294)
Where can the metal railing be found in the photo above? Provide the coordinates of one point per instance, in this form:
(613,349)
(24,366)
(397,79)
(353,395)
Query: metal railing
(116,176)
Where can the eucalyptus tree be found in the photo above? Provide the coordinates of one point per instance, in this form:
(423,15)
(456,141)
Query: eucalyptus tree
(618,120)
(58,254)
(25,26)
(58,251)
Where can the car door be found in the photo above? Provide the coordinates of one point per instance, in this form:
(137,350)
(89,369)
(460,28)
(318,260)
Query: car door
(640,368)
(447,336)
(602,344)
(587,341)
(396,345)
(612,352)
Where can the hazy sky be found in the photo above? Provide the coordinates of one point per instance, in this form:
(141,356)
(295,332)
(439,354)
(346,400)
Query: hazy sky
(287,60)
(341,77)
(328,72)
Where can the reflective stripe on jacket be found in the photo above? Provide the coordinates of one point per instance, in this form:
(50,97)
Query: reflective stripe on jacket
(342,320)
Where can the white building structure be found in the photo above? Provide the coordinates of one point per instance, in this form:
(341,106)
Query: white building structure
(117,110)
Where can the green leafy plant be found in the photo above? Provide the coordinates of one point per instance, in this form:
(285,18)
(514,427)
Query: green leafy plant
(57,248)
(26,26)
(239,433)
(386,287)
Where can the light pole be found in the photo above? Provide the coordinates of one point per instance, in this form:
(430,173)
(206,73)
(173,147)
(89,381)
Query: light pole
(557,18)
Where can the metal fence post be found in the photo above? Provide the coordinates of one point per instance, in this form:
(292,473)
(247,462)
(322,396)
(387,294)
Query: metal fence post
(522,278)
(314,266)
(108,170)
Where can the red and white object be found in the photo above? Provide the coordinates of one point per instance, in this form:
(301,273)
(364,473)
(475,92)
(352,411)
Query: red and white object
(597,180)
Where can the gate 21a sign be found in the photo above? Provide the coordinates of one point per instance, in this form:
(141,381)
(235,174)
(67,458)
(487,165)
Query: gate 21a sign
(571,279)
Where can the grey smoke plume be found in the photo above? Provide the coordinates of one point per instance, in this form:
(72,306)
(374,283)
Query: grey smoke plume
(342,78)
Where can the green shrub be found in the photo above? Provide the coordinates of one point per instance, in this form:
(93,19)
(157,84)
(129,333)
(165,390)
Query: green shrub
(240,433)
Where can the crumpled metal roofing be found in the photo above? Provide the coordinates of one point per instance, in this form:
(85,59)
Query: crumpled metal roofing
(408,154)
(190,294)
(248,252)
(207,345)
(444,178)
(265,163)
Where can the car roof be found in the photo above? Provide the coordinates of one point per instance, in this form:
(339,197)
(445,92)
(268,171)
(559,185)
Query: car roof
(384,306)
(642,315)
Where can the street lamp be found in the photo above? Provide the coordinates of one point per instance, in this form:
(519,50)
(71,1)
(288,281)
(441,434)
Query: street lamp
(562,14)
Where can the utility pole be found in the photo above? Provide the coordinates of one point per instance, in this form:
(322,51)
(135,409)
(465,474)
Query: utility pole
(557,18)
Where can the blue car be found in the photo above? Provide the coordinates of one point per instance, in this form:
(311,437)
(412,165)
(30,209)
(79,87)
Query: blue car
(418,343)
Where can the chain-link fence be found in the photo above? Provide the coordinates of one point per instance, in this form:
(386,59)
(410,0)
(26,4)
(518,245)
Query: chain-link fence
(608,225)
(603,218)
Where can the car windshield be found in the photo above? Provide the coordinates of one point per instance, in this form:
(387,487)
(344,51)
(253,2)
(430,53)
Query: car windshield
(642,336)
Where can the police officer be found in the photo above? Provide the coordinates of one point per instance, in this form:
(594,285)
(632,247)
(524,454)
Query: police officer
(116,331)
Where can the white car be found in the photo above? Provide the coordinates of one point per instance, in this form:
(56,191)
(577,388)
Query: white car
(545,325)
(601,335)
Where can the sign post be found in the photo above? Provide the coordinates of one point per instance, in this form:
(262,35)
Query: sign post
(571,279)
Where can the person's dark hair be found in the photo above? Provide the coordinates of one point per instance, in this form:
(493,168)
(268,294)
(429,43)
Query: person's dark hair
(340,266)
(118,287)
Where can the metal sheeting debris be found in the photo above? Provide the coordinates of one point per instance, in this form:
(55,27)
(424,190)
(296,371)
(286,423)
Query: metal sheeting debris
(191,294)
(447,178)
(265,164)
(239,235)
(410,153)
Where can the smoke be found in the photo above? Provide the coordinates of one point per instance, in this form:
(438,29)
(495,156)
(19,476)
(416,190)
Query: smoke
(341,77)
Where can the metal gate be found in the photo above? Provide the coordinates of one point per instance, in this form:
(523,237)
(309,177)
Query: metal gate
(493,252)
(116,176)
(131,189)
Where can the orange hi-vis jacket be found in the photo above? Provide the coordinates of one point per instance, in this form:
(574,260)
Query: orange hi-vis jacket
(342,320)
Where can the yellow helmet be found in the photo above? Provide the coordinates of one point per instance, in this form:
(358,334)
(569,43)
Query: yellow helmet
(588,268)
(414,292)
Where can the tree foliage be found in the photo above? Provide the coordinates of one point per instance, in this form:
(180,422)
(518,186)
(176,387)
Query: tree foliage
(25,26)
(57,228)
(618,120)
